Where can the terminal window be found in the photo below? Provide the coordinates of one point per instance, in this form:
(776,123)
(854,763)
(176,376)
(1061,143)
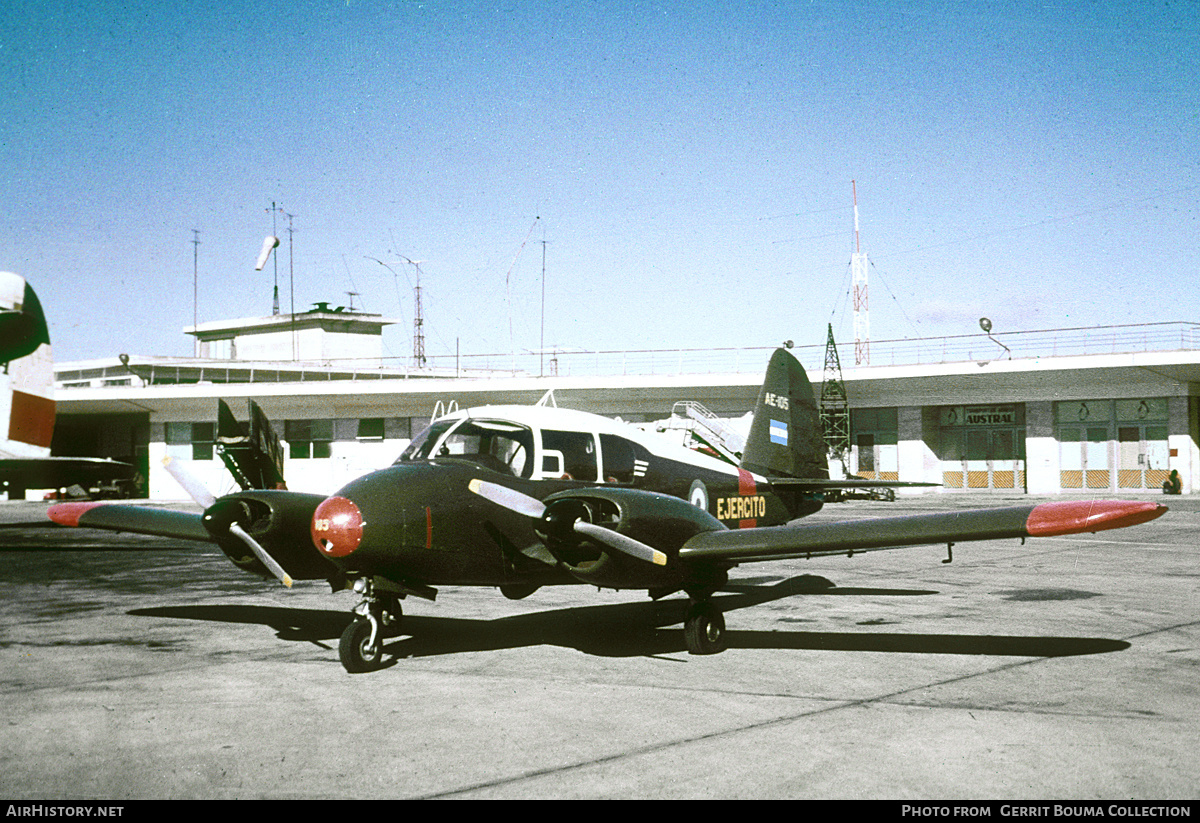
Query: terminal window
(308,438)
(191,439)
(370,428)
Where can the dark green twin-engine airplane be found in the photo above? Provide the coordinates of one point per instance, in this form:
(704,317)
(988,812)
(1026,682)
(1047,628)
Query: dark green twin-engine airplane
(524,497)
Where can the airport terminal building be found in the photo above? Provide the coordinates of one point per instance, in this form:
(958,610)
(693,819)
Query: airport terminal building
(1107,411)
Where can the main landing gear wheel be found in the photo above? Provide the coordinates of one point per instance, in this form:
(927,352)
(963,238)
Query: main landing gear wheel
(356,650)
(704,629)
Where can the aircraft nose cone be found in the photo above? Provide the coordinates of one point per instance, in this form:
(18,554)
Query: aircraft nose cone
(337,527)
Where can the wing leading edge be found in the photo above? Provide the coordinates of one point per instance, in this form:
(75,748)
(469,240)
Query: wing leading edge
(822,539)
(134,519)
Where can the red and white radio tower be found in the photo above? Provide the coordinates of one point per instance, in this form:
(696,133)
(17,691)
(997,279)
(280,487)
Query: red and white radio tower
(862,319)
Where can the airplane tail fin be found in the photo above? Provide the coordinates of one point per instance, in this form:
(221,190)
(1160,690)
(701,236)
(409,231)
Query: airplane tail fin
(786,440)
(27,388)
(27,406)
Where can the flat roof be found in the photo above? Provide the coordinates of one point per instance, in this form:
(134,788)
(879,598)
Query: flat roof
(344,321)
(1141,374)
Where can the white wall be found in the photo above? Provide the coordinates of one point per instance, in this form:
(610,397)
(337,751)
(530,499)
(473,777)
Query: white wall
(349,460)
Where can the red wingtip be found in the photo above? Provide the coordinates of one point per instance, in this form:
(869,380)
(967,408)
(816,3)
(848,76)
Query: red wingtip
(1078,516)
(68,514)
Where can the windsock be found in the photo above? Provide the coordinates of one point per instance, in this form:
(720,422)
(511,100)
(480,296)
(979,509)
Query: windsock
(268,244)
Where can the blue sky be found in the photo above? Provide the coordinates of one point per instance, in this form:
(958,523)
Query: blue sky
(688,166)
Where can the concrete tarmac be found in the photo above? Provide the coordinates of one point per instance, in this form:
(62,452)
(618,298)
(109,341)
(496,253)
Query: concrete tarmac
(1061,669)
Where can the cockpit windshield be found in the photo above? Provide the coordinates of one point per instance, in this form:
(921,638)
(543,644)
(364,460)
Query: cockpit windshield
(425,440)
(498,445)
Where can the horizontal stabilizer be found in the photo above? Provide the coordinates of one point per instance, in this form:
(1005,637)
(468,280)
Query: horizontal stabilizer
(134,519)
(821,539)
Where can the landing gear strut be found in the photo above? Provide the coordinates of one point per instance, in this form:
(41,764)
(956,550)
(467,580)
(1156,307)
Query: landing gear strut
(361,646)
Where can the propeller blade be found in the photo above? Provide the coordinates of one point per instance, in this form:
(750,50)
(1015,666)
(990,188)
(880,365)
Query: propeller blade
(190,483)
(510,499)
(261,554)
(522,503)
(621,543)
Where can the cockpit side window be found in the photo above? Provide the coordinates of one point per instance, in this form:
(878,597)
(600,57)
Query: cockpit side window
(618,455)
(578,450)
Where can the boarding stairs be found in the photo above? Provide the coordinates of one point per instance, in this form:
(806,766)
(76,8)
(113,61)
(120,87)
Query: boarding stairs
(706,431)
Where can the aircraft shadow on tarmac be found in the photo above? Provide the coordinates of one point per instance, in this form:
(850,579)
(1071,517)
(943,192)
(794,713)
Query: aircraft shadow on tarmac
(634,629)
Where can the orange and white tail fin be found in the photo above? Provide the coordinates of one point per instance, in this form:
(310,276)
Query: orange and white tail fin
(26,372)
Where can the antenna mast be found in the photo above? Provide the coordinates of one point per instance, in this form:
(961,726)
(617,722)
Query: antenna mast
(862,319)
(418,318)
(291,285)
(418,323)
(835,406)
(542,342)
(196,289)
(275,233)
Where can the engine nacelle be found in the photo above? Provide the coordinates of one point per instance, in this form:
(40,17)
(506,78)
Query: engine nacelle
(658,520)
(281,521)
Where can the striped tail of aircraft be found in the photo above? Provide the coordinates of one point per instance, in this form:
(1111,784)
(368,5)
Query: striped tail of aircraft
(27,408)
(27,395)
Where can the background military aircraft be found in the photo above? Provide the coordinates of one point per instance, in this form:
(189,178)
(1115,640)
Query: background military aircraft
(27,409)
(524,497)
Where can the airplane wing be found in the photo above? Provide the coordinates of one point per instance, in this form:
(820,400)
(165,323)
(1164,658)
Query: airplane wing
(58,472)
(851,537)
(134,519)
(238,524)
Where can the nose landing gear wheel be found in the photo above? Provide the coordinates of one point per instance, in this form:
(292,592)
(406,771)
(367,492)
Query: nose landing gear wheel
(704,629)
(355,649)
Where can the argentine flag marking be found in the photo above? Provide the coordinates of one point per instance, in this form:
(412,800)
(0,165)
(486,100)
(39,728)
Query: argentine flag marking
(779,433)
